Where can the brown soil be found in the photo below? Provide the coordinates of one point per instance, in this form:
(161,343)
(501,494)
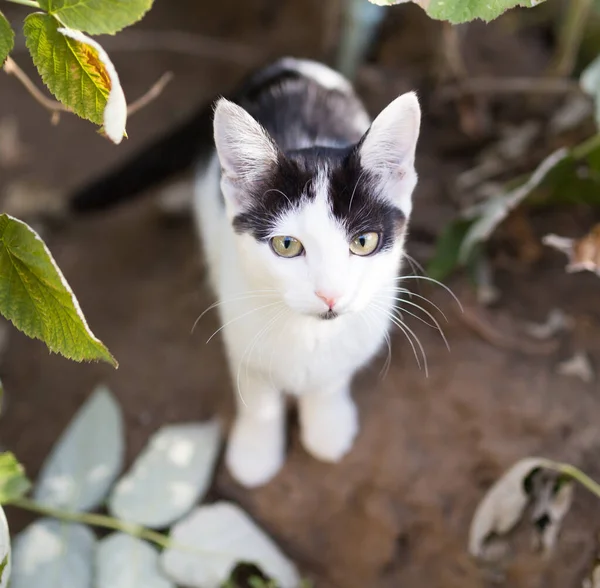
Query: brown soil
(396,512)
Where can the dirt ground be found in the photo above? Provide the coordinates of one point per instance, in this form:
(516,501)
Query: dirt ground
(396,511)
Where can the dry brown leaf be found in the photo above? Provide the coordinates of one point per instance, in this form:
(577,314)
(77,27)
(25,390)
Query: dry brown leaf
(553,501)
(502,508)
(503,505)
(583,254)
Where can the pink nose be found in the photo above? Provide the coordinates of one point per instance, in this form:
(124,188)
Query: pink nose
(328,299)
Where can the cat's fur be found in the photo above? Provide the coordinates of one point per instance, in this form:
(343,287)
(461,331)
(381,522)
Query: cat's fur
(296,156)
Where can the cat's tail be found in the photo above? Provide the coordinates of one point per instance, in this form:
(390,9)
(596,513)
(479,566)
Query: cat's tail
(174,152)
(178,150)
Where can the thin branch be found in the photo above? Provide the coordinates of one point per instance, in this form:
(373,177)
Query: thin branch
(152,94)
(52,106)
(55,107)
(184,43)
(509,85)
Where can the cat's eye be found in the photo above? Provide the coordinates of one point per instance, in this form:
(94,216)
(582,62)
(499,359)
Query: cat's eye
(286,246)
(364,244)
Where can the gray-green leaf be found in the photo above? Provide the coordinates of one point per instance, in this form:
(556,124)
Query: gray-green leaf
(7,39)
(5,563)
(490,213)
(51,554)
(221,535)
(13,482)
(590,84)
(87,458)
(97,17)
(123,561)
(37,299)
(169,477)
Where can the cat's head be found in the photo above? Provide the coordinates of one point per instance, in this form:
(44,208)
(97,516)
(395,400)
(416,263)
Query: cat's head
(323,227)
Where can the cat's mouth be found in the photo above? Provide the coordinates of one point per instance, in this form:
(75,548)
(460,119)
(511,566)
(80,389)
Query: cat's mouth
(329,315)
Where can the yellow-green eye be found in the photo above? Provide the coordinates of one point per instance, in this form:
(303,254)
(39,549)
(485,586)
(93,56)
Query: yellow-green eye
(286,246)
(364,244)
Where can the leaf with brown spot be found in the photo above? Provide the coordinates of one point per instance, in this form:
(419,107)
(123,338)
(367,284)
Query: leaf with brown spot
(78,72)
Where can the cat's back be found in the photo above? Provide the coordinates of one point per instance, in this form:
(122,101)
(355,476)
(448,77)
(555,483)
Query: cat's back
(304,103)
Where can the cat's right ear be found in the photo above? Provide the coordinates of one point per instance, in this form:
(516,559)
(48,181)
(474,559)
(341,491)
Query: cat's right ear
(246,151)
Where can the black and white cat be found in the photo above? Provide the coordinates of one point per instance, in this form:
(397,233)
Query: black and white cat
(302,210)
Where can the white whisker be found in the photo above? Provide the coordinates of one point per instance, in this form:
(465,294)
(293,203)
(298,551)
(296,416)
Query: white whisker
(428,279)
(242,316)
(250,348)
(436,324)
(411,294)
(250,294)
(406,330)
(279,192)
(355,187)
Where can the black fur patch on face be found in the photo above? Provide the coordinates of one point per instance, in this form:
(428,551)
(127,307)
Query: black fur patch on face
(356,203)
(272,197)
(353,195)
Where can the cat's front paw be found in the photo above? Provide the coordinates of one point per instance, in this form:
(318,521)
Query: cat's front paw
(255,452)
(329,425)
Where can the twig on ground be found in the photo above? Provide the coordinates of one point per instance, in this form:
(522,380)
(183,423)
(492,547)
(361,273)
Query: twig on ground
(475,320)
(509,85)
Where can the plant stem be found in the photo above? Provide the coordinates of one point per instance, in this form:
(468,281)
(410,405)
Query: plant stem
(576,474)
(95,520)
(570,35)
(30,3)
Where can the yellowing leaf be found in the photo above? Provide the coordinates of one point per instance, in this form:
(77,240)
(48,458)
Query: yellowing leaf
(97,17)
(7,39)
(37,299)
(78,72)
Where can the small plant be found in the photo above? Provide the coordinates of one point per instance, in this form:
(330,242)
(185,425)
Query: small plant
(160,491)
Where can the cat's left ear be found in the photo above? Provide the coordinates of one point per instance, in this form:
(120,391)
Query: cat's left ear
(388,148)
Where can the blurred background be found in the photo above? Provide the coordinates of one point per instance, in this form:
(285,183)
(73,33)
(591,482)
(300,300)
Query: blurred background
(396,511)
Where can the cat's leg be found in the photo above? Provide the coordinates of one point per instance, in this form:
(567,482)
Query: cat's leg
(256,447)
(328,422)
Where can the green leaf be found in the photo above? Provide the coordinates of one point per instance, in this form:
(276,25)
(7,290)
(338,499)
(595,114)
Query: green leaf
(446,257)
(459,11)
(78,72)
(7,39)
(97,17)
(86,460)
(4,551)
(13,482)
(37,299)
